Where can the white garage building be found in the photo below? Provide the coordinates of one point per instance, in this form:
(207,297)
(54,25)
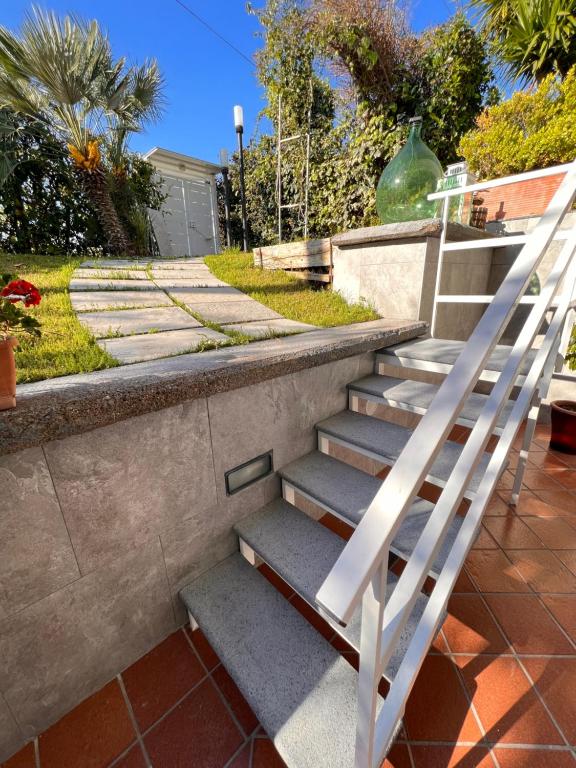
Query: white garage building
(188,222)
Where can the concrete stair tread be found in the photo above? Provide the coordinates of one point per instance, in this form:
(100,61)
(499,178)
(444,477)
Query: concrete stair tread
(446,352)
(303,553)
(385,441)
(417,396)
(347,492)
(299,687)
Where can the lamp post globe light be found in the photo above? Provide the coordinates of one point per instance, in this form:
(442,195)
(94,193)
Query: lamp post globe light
(239,125)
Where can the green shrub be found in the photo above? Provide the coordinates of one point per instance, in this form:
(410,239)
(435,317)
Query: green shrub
(533,129)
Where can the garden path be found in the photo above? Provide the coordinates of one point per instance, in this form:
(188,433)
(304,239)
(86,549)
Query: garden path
(142,311)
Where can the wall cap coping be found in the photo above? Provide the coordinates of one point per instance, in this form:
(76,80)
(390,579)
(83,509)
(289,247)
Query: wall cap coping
(58,408)
(407,230)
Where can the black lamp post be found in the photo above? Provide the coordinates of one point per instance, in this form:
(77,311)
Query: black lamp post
(226,183)
(239,124)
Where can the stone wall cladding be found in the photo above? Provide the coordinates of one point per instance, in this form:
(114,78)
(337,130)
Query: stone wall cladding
(100,530)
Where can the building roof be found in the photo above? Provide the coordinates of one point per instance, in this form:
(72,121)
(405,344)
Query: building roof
(165,157)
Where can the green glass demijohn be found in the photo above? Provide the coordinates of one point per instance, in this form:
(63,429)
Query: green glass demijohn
(408,178)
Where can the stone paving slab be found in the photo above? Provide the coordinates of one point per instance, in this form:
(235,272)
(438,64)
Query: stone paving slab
(129,321)
(209,281)
(86,284)
(233,311)
(111,274)
(213,293)
(114,264)
(260,329)
(151,346)
(86,300)
(176,263)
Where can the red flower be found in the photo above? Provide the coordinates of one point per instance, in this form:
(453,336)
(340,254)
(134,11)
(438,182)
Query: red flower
(22,290)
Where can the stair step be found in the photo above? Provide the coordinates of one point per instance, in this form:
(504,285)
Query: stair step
(303,553)
(299,687)
(384,442)
(416,397)
(439,355)
(347,493)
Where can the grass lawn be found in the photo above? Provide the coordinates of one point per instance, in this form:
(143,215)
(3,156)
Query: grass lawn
(66,346)
(287,295)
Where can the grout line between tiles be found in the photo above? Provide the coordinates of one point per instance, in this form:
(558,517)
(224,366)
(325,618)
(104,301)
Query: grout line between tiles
(135,725)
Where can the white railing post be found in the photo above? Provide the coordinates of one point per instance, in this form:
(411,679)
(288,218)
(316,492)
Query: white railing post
(370,669)
(440,265)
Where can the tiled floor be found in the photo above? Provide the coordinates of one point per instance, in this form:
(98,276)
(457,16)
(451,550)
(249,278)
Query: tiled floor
(496,691)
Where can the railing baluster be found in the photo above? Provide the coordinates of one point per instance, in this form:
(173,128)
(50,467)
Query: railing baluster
(370,670)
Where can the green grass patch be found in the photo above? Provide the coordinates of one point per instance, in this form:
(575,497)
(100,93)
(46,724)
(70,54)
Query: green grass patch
(285,294)
(66,347)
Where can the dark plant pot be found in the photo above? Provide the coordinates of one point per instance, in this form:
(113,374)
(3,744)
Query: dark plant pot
(563,436)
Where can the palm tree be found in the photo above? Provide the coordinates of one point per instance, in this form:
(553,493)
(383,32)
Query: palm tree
(534,38)
(62,73)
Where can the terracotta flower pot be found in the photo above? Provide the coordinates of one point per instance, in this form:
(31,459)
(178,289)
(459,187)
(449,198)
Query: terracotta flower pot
(563,436)
(7,373)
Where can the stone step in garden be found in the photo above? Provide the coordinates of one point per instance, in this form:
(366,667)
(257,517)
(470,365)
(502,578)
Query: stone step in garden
(83,301)
(88,284)
(126,322)
(151,346)
(114,264)
(208,293)
(232,311)
(207,281)
(260,329)
(111,274)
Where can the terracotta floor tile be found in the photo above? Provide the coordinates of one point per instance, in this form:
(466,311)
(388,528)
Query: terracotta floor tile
(243,759)
(238,704)
(398,757)
(528,625)
(506,481)
(92,735)
(505,702)
(556,682)
(484,540)
(23,759)
(542,570)
(492,571)
(464,583)
(568,557)
(567,458)
(313,617)
(433,717)
(276,581)
(162,677)
(537,480)
(134,759)
(555,532)
(497,506)
(534,758)
(204,649)
(511,532)
(566,478)
(546,461)
(566,500)
(469,628)
(426,756)
(198,733)
(563,608)
(265,755)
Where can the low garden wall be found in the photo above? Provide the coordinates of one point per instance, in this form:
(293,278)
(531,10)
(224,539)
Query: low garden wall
(113,498)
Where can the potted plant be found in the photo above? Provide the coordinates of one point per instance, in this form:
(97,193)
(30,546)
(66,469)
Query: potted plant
(563,412)
(13,320)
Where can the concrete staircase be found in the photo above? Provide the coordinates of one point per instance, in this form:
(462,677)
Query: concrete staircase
(299,686)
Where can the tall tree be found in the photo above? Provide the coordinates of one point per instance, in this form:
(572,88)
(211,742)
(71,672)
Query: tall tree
(61,72)
(533,38)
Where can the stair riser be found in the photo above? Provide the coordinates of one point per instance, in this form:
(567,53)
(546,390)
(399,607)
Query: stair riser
(429,372)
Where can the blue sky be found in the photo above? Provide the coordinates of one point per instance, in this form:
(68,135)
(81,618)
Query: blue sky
(204,77)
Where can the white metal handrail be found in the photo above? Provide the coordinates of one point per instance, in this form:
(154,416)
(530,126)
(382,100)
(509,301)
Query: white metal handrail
(360,572)
(492,242)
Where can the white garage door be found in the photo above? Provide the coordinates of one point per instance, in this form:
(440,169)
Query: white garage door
(189,220)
